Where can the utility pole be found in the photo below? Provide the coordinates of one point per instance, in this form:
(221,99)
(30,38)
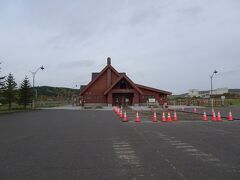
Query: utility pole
(35,91)
(74,99)
(211,77)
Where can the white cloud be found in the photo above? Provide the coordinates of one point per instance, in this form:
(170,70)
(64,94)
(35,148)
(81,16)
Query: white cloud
(172,45)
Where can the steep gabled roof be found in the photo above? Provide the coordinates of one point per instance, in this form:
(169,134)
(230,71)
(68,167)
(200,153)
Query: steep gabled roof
(153,89)
(98,76)
(128,80)
(94,75)
(82,87)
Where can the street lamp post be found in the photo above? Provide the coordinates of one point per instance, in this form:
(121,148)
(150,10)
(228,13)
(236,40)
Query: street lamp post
(34,91)
(215,72)
(74,100)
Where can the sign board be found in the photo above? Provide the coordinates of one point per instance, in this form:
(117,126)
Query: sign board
(151,100)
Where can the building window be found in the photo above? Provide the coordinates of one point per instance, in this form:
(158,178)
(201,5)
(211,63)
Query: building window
(123,84)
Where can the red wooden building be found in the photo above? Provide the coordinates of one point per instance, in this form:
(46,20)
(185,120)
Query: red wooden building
(110,87)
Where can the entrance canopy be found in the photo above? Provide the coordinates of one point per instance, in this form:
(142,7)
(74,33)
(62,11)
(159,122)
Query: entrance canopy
(122,99)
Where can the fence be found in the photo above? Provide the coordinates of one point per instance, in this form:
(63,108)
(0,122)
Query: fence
(204,102)
(51,103)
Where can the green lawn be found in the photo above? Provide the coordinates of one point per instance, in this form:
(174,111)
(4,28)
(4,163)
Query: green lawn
(51,104)
(17,108)
(235,102)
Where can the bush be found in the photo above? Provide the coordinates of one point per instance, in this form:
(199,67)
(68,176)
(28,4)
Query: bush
(98,107)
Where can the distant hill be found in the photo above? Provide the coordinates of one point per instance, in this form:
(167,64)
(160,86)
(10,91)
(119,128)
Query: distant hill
(56,91)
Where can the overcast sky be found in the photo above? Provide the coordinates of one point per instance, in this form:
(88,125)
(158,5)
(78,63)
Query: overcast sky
(172,45)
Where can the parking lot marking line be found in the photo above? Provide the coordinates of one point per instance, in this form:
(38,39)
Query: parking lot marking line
(169,163)
(204,157)
(183,147)
(123,145)
(127,157)
(191,150)
(166,139)
(199,154)
(175,141)
(175,169)
(179,144)
(125,152)
(123,148)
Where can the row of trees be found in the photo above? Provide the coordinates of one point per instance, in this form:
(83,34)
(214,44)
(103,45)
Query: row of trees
(9,91)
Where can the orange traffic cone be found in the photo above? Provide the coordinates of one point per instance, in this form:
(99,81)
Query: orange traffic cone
(125,117)
(195,110)
(175,116)
(219,118)
(137,118)
(154,117)
(213,110)
(169,119)
(163,117)
(121,114)
(205,118)
(230,117)
(214,118)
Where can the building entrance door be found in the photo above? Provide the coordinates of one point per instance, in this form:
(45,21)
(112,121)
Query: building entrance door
(122,99)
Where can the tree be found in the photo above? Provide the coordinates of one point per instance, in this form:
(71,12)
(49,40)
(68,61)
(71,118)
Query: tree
(1,80)
(1,83)
(10,90)
(25,93)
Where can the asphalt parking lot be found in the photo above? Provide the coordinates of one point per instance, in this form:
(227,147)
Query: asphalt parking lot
(74,144)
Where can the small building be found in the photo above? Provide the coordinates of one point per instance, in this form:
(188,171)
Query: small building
(193,93)
(207,94)
(220,91)
(234,91)
(110,87)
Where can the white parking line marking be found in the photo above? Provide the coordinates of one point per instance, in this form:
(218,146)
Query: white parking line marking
(191,150)
(126,155)
(123,145)
(183,147)
(175,141)
(122,149)
(125,152)
(179,144)
(199,154)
